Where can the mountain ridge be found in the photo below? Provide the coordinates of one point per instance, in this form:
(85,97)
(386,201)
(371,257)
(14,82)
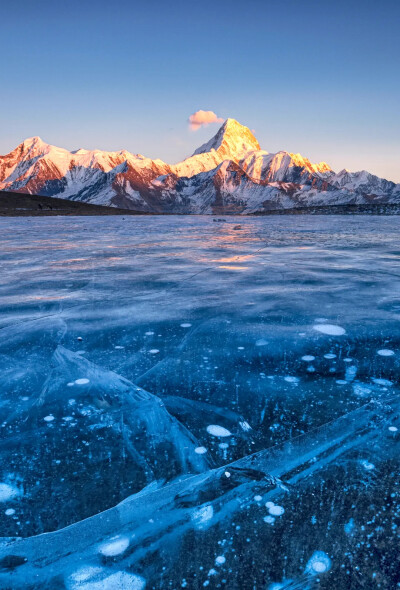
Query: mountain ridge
(228,174)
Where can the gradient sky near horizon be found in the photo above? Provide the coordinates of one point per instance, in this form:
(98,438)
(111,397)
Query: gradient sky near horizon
(319,78)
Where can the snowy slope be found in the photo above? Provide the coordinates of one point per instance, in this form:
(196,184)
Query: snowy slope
(228,174)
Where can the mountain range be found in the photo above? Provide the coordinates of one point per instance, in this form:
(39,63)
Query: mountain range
(228,174)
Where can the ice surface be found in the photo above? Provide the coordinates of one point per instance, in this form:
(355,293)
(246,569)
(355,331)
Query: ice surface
(185,405)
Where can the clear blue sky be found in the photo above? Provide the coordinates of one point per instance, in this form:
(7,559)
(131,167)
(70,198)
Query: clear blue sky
(319,78)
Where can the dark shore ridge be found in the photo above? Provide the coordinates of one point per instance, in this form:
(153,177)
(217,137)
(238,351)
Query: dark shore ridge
(14,204)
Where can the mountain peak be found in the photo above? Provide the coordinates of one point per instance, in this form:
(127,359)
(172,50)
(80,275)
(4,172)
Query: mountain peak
(232,141)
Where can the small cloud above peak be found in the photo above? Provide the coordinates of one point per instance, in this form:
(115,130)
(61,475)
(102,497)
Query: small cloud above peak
(203,118)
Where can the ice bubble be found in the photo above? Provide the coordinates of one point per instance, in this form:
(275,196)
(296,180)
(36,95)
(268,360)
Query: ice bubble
(80,338)
(9,512)
(258,498)
(393,428)
(276,510)
(70,384)
(149,333)
(220,560)
(329,356)
(49,418)
(291,379)
(269,504)
(319,563)
(261,342)
(216,430)
(367,465)
(245,426)
(114,546)
(330,329)
(349,526)
(187,325)
(82,381)
(269,519)
(341,382)
(227,474)
(383,382)
(223,446)
(119,347)
(308,358)
(7,492)
(240,347)
(347,360)
(154,351)
(311,369)
(200,450)
(385,352)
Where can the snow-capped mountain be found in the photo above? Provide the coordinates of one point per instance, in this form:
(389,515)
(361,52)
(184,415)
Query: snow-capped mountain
(228,174)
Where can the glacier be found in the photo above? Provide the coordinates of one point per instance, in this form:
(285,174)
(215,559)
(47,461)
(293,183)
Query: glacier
(190,404)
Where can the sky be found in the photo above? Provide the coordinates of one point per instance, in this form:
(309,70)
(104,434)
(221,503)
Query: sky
(321,78)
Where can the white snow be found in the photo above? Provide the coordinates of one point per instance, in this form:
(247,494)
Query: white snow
(219,431)
(114,546)
(329,329)
(385,352)
(81,381)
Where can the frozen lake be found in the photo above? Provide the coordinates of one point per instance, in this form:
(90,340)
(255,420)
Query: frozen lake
(141,357)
